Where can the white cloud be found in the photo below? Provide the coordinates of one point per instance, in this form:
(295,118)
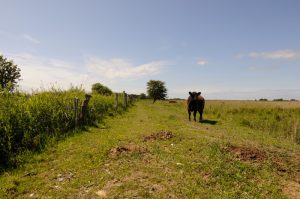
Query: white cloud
(30,38)
(201,61)
(280,54)
(120,68)
(41,72)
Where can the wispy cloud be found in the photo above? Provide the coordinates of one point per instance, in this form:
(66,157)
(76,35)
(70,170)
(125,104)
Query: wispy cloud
(202,61)
(42,72)
(279,54)
(121,68)
(30,38)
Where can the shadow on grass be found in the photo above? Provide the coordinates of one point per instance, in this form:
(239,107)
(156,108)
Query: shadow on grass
(212,122)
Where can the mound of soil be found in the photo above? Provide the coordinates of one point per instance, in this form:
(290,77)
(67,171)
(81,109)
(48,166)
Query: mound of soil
(246,153)
(162,135)
(131,148)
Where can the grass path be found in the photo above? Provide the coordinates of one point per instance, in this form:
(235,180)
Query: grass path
(204,160)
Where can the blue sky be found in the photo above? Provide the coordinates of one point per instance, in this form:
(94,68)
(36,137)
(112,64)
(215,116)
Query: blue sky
(234,49)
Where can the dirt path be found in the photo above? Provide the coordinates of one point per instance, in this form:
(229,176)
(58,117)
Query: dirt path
(153,151)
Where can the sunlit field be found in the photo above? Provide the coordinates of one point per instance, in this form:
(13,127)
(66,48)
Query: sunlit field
(278,119)
(241,149)
(28,122)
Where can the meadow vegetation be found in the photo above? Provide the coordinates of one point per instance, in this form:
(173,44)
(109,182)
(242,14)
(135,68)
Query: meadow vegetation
(28,122)
(240,150)
(279,119)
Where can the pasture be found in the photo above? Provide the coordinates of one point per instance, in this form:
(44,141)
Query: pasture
(242,149)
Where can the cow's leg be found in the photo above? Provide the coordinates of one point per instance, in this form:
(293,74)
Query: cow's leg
(195,112)
(189,114)
(200,112)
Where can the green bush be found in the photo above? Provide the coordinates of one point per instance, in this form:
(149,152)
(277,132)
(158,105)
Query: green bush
(101,89)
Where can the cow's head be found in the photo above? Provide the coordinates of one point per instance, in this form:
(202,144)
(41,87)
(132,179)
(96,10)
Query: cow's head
(194,95)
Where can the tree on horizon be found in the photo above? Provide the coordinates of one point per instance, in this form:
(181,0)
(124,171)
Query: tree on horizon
(9,74)
(101,89)
(156,90)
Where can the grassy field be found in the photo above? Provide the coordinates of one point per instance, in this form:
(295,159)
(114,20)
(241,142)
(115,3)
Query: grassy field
(242,149)
(29,122)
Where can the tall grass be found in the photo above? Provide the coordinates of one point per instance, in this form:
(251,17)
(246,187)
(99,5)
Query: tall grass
(278,119)
(28,122)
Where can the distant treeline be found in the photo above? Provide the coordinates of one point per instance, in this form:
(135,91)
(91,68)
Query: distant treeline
(279,99)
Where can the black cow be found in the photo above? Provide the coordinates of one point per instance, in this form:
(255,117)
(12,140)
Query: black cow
(195,102)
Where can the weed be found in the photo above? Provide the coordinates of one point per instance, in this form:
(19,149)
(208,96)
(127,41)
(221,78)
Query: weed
(30,121)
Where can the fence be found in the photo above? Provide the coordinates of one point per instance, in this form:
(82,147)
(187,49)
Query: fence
(82,112)
(27,122)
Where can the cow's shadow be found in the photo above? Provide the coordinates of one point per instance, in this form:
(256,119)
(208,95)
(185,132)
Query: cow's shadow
(212,122)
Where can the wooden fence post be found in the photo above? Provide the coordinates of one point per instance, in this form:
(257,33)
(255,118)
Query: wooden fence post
(129,99)
(84,108)
(116,101)
(125,99)
(76,100)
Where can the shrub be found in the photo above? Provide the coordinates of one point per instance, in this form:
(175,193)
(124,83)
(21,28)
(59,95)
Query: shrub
(101,89)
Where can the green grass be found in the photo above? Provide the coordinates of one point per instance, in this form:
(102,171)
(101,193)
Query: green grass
(198,162)
(30,122)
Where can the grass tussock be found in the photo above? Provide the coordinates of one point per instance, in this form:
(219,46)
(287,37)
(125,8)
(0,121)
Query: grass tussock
(278,119)
(29,121)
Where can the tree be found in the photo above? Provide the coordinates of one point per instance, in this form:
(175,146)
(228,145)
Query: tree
(9,74)
(101,89)
(143,96)
(156,89)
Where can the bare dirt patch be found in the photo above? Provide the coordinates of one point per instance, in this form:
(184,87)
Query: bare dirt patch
(130,148)
(292,189)
(286,165)
(280,165)
(247,153)
(291,186)
(162,135)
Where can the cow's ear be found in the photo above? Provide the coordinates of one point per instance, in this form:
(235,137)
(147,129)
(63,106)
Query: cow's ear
(190,93)
(199,93)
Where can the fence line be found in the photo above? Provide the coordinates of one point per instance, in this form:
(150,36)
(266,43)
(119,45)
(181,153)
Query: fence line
(43,115)
(116,102)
